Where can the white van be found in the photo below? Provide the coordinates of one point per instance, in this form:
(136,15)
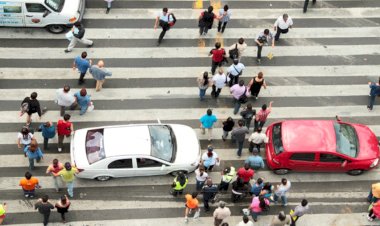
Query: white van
(55,15)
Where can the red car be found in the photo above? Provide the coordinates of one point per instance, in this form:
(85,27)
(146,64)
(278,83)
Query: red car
(321,146)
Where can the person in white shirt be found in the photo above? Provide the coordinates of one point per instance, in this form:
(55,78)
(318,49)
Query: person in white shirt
(240,46)
(224,17)
(221,213)
(200,177)
(282,25)
(219,80)
(65,99)
(281,191)
(256,139)
(163,19)
(234,71)
(245,222)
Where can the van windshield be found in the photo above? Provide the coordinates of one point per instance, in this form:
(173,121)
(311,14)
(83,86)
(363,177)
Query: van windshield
(55,5)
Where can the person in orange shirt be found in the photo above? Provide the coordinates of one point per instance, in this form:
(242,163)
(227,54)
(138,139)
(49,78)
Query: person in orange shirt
(29,185)
(192,204)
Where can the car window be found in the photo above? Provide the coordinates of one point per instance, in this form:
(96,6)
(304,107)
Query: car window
(145,162)
(163,142)
(95,145)
(121,164)
(35,8)
(346,139)
(303,156)
(56,5)
(330,158)
(277,139)
(12,9)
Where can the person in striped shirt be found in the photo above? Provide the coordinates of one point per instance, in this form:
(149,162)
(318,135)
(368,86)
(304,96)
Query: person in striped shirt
(262,115)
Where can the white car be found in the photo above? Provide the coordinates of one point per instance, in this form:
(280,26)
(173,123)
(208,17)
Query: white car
(134,150)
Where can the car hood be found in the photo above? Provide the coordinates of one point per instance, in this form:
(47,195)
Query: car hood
(78,149)
(188,148)
(70,8)
(368,143)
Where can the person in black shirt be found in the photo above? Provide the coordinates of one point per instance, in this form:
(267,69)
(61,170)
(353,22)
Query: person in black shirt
(209,191)
(78,36)
(44,207)
(33,107)
(228,125)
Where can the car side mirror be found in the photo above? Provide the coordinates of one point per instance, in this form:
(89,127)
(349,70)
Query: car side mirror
(163,167)
(344,163)
(47,12)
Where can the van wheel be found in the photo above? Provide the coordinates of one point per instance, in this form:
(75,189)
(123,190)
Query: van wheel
(56,28)
(281,171)
(103,178)
(355,172)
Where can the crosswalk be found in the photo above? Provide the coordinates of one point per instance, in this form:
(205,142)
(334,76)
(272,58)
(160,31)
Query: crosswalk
(320,69)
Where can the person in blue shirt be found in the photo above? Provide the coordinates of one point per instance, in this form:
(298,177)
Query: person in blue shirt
(207,122)
(48,132)
(375,91)
(257,187)
(83,65)
(33,152)
(255,161)
(83,100)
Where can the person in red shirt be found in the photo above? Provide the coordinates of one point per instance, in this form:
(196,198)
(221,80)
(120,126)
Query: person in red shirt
(245,173)
(218,55)
(64,128)
(262,115)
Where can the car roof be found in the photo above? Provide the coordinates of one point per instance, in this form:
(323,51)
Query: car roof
(308,136)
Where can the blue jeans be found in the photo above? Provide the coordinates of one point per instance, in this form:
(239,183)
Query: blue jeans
(240,147)
(371,102)
(31,163)
(237,105)
(202,93)
(284,199)
(254,215)
(29,193)
(83,109)
(199,184)
(70,188)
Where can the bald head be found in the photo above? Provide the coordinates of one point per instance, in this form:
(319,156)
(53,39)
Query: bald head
(100,63)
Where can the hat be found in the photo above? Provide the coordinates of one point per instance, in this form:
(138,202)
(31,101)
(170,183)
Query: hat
(210,148)
(67,166)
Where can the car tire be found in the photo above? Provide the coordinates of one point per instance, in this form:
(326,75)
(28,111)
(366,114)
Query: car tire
(103,178)
(175,173)
(355,172)
(281,171)
(56,28)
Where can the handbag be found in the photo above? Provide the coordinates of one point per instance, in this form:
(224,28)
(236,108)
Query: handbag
(243,98)
(171,23)
(69,35)
(90,107)
(234,53)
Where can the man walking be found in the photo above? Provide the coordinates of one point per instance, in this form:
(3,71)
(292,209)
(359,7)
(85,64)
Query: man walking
(238,91)
(219,81)
(299,211)
(44,207)
(221,213)
(282,25)
(64,98)
(247,115)
(281,191)
(99,72)
(209,191)
(33,106)
(262,115)
(238,134)
(163,19)
(264,37)
(234,71)
(207,122)
(64,128)
(29,185)
(82,64)
(68,176)
(224,17)
(306,4)
(256,139)
(48,132)
(255,161)
(78,36)
(206,19)
(374,92)
(55,168)
(218,55)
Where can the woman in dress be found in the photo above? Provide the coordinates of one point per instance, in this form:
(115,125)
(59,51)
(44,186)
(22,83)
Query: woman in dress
(203,83)
(255,84)
(63,207)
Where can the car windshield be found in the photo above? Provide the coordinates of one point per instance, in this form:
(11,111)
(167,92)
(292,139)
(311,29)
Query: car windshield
(95,145)
(277,139)
(163,142)
(346,139)
(55,5)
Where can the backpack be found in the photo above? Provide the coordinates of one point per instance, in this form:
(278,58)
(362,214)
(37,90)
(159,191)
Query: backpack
(208,17)
(25,105)
(234,53)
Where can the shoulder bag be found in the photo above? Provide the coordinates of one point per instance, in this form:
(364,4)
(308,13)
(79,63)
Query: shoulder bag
(243,98)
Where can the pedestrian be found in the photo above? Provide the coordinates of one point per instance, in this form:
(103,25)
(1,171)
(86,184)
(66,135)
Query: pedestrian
(257,206)
(192,205)
(255,161)
(207,122)
(245,222)
(374,92)
(29,185)
(374,211)
(65,98)
(267,191)
(3,212)
(257,139)
(64,128)
(263,38)
(228,174)
(164,19)
(218,56)
(238,134)
(203,84)
(224,17)
(24,138)
(239,189)
(83,100)
(48,132)
(209,191)
(247,114)
(82,64)
(206,19)
(44,207)
(234,71)
(280,220)
(282,25)
(374,193)
(33,152)
(63,207)
(257,187)
(255,85)
(245,173)
(179,184)
(219,81)
(236,50)
(33,106)
(109,4)
(200,177)
(281,191)
(299,211)
(239,95)
(262,115)
(54,169)
(306,4)
(99,73)
(78,36)
(221,213)
(228,125)
(68,176)
(209,159)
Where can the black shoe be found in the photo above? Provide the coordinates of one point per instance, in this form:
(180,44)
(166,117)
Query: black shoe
(108,10)
(315,1)
(67,51)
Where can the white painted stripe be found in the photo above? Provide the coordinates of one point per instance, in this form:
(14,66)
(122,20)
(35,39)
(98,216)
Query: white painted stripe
(300,1)
(192,72)
(185,33)
(21,161)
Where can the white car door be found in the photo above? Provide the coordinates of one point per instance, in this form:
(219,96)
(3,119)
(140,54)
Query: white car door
(34,15)
(148,166)
(121,167)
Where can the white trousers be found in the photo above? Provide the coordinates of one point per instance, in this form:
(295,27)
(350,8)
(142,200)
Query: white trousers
(75,40)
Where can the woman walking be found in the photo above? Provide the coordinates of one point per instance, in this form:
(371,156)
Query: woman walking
(258,205)
(228,125)
(200,177)
(24,137)
(63,207)
(33,152)
(255,85)
(203,84)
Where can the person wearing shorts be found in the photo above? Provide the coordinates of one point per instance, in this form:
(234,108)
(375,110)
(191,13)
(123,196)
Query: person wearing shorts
(192,204)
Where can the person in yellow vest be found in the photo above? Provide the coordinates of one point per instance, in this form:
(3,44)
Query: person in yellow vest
(228,174)
(374,194)
(179,184)
(3,210)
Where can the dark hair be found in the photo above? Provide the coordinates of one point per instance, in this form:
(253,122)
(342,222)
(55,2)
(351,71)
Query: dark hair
(194,194)
(84,54)
(165,10)
(181,178)
(266,31)
(55,161)
(284,181)
(217,45)
(229,119)
(245,219)
(210,9)
(281,216)
(225,7)
(246,165)
(260,75)
(63,199)
(205,77)
(304,202)
(236,61)
(77,24)
(45,198)
(264,107)
(66,117)
(240,122)
(209,112)
(66,88)
(47,124)
(262,203)
(25,132)
(28,175)
(249,106)
(83,92)
(285,16)
(241,41)
(67,166)
(241,82)
(33,96)
(260,180)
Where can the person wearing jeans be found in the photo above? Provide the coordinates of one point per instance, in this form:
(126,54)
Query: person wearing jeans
(237,91)
(68,176)
(203,84)
(224,17)
(33,152)
(48,132)
(55,168)
(281,191)
(238,134)
(65,99)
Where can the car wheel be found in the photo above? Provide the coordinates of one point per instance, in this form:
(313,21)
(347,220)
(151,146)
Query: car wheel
(281,171)
(355,172)
(56,28)
(175,173)
(103,178)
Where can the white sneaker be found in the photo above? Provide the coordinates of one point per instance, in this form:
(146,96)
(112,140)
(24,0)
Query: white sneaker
(59,149)
(196,214)
(186,220)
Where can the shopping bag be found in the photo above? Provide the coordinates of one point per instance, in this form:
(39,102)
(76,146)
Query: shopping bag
(69,35)
(90,107)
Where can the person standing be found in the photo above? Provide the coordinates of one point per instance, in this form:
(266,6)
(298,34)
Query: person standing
(299,211)
(255,161)
(306,4)
(264,37)
(192,205)
(209,159)
(33,152)
(258,205)
(238,91)
(281,191)
(221,213)
(200,177)
(203,84)
(219,81)
(247,114)
(374,92)
(109,4)
(245,222)
(82,64)
(224,17)
(245,173)
(3,212)
(24,138)
(206,19)
(282,25)
(63,207)
(207,122)
(280,220)
(99,73)
(83,100)
(68,176)
(217,58)
(65,99)
(234,71)
(48,132)
(257,187)
(33,107)
(209,191)
(64,128)
(255,84)
(163,19)
(179,184)
(228,174)
(262,115)
(29,185)
(257,139)
(54,169)
(44,207)
(240,45)
(228,125)
(78,36)
(238,134)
